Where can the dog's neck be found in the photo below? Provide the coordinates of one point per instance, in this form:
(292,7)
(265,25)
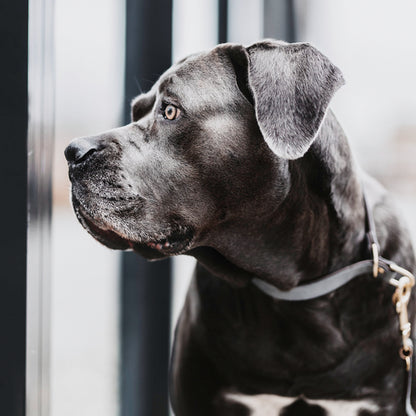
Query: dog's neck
(318,228)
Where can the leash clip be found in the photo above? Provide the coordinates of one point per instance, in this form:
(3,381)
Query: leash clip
(376,269)
(401,299)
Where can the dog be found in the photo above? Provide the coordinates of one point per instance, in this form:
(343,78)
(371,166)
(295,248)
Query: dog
(234,157)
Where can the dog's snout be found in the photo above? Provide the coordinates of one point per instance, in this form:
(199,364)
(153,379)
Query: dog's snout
(81,149)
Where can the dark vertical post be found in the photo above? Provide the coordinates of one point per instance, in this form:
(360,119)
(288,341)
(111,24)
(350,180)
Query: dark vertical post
(145,287)
(222,21)
(13,213)
(279,20)
(148,45)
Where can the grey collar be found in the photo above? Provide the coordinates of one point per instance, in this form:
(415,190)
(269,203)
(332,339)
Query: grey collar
(376,266)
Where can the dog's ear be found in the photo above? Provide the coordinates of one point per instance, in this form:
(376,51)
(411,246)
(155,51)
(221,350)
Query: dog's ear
(142,105)
(290,86)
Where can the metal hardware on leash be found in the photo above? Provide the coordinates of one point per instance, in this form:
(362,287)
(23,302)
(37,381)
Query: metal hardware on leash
(401,298)
(376,269)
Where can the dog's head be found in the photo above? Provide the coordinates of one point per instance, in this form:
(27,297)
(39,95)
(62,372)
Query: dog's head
(208,145)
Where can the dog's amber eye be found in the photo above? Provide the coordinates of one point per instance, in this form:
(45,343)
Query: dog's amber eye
(171,112)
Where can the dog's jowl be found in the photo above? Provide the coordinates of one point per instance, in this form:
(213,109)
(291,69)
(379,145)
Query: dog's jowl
(234,157)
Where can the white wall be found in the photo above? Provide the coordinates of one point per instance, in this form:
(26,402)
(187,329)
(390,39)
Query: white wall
(245,21)
(373,43)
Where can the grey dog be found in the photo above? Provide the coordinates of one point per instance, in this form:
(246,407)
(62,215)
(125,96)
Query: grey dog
(234,157)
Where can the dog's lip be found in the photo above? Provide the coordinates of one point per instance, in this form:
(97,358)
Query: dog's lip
(167,246)
(105,236)
(174,244)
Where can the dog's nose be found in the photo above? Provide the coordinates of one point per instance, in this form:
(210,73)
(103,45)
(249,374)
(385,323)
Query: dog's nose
(82,148)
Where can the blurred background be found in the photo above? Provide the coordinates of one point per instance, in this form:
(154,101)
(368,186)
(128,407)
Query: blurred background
(100,322)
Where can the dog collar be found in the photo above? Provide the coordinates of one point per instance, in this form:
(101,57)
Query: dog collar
(396,276)
(377,266)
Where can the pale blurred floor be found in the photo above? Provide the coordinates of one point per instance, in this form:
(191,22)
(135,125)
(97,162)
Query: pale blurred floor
(84,322)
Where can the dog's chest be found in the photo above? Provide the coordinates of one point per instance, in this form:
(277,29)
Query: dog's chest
(273,405)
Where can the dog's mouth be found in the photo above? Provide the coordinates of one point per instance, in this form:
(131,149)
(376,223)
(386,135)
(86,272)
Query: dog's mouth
(176,242)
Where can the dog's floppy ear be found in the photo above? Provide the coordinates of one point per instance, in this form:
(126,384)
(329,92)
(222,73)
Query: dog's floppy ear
(290,86)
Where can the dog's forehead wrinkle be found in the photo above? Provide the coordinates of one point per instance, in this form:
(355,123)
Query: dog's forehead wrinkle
(166,83)
(195,83)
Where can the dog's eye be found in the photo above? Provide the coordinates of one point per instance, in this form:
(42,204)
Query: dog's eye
(171,112)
